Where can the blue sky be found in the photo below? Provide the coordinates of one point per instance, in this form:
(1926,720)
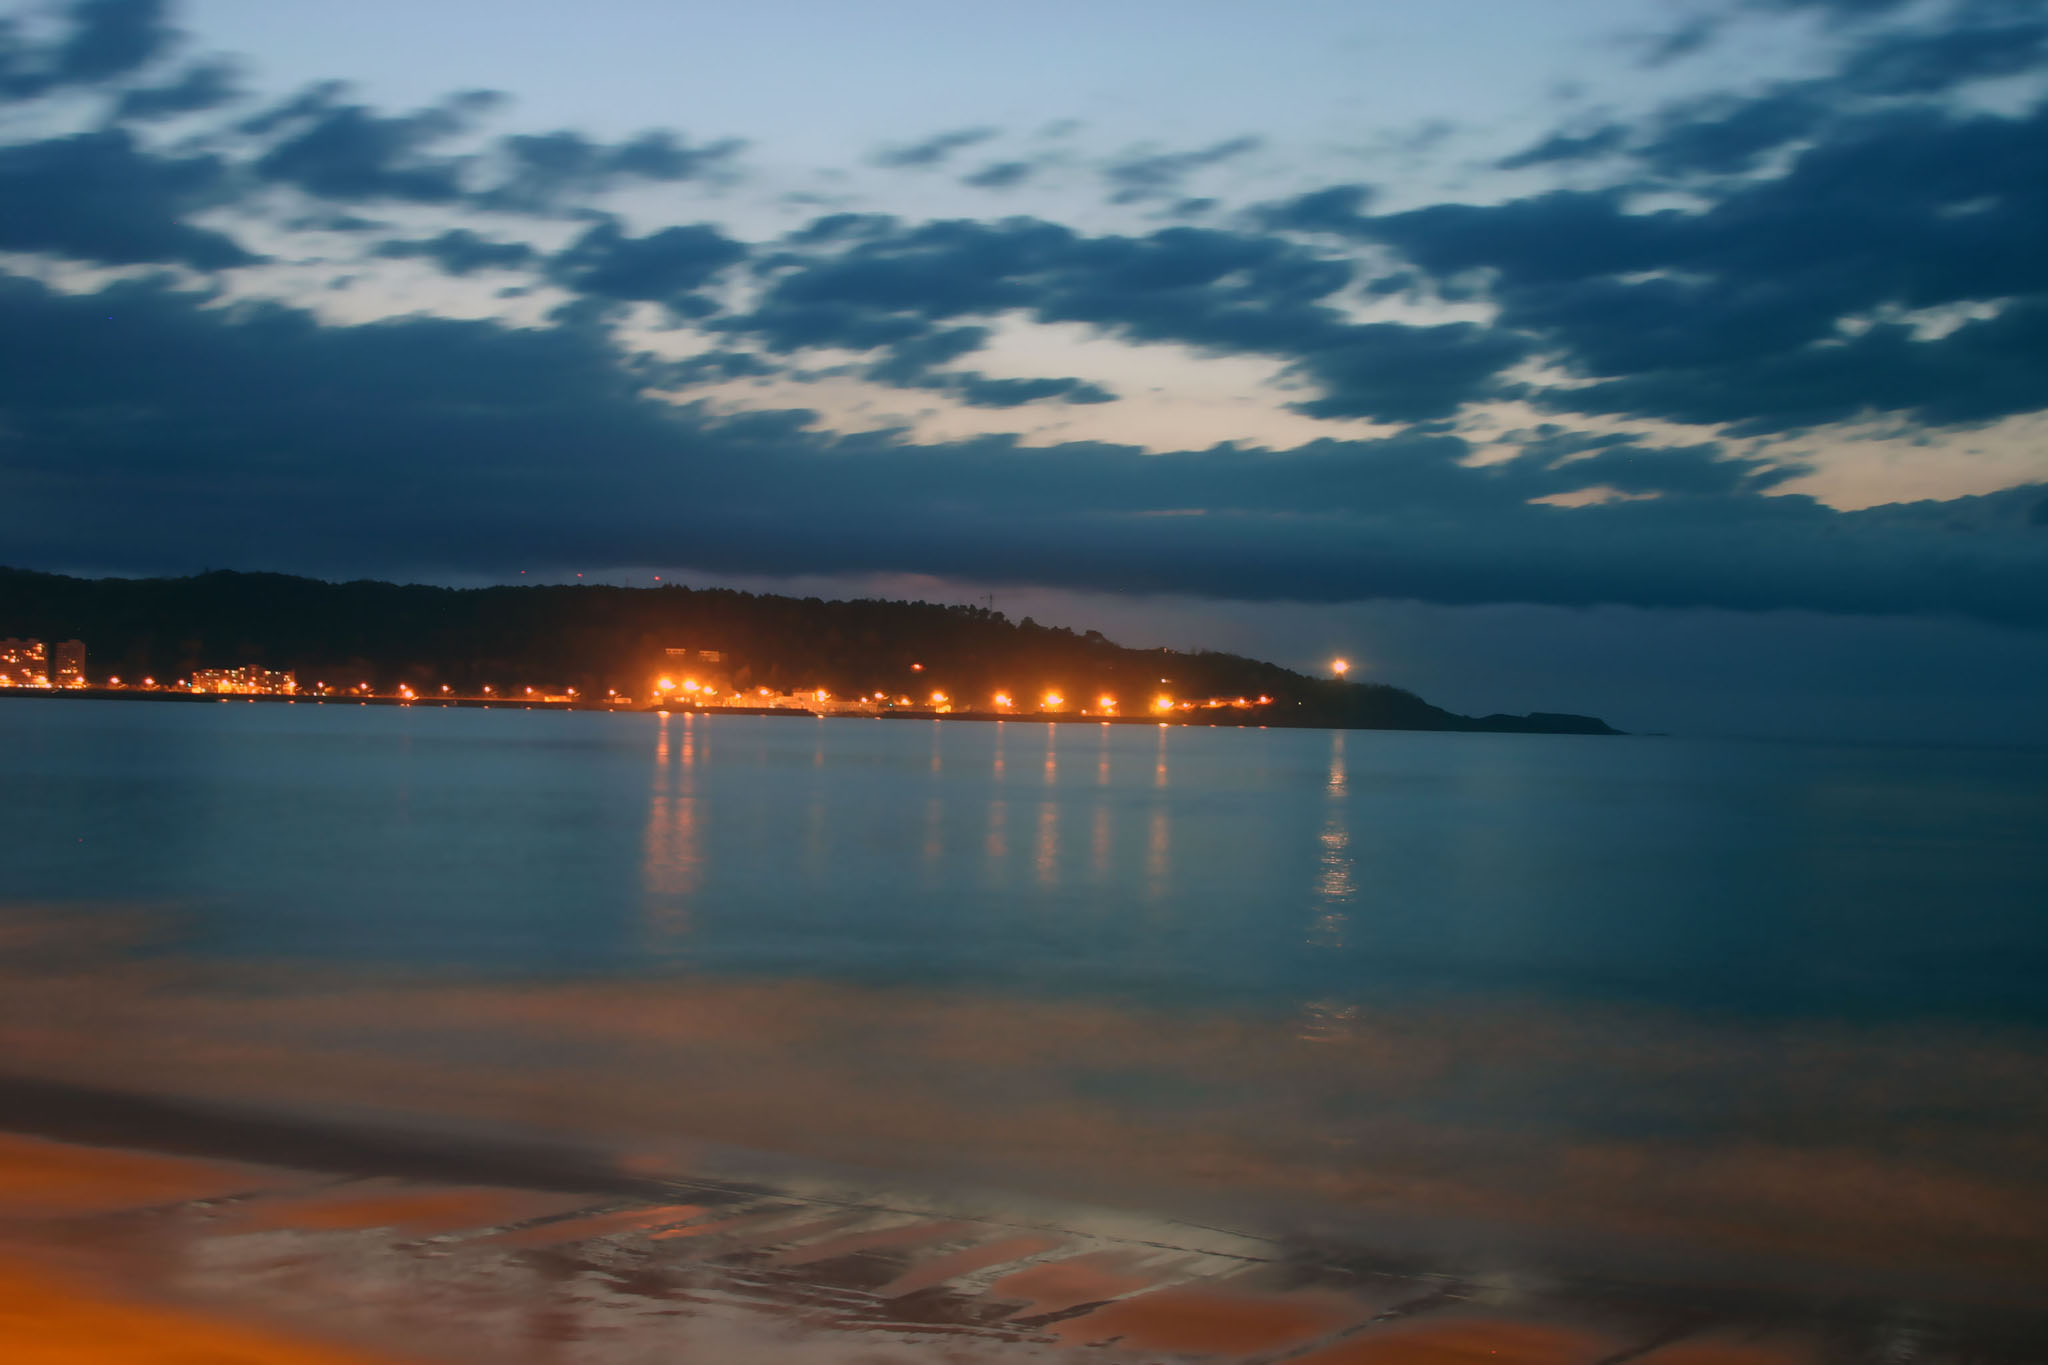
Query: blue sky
(1681,361)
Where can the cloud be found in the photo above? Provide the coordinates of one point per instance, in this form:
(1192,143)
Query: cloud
(1212,290)
(1866,241)
(1923,63)
(546,170)
(1159,175)
(1001,175)
(459,251)
(712,367)
(932,151)
(662,266)
(1786,299)
(100,197)
(1566,147)
(103,39)
(199,87)
(351,152)
(154,428)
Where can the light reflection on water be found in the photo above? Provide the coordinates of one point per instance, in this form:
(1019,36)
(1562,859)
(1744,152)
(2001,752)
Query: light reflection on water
(1281,866)
(1543,978)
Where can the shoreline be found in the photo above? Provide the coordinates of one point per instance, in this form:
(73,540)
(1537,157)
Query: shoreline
(995,717)
(1085,1287)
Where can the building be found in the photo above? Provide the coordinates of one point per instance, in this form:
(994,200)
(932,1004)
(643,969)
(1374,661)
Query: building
(689,675)
(24,663)
(67,663)
(262,682)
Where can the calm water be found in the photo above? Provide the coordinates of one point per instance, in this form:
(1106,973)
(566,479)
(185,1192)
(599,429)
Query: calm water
(1252,869)
(1465,991)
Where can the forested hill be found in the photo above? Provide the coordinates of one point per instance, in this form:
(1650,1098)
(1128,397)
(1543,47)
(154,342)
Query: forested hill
(599,638)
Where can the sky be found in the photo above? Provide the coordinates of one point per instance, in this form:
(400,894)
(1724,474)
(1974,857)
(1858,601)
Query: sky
(1679,361)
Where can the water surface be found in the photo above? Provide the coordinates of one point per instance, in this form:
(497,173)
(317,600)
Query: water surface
(1762,1000)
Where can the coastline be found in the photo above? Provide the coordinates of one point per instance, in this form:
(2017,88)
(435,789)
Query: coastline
(1541,723)
(377,1238)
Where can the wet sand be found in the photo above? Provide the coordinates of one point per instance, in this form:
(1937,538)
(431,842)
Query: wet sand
(143,1229)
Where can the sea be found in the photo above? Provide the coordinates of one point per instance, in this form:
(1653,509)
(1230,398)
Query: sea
(1765,1011)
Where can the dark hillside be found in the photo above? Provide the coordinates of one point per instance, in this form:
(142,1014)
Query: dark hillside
(599,638)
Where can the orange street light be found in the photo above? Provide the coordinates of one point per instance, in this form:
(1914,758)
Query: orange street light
(1003,700)
(1053,701)
(1340,666)
(1162,703)
(1106,703)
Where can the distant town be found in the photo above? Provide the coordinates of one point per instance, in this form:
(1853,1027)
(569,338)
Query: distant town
(225,636)
(678,678)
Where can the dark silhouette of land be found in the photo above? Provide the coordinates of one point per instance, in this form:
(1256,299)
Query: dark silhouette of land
(596,639)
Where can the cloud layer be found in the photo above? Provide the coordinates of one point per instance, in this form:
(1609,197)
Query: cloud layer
(1857,245)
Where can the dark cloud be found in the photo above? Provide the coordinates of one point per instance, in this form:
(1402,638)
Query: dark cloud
(1731,132)
(351,152)
(711,367)
(1559,147)
(1778,303)
(100,197)
(459,251)
(836,227)
(1393,372)
(981,391)
(662,266)
(1213,290)
(1337,208)
(1622,463)
(102,39)
(1001,175)
(1840,12)
(934,150)
(1924,63)
(1979,372)
(545,170)
(1694,35)
(112,38)
(1159,175)
(1723,135)
(182,432)
(199,87)
(913,363)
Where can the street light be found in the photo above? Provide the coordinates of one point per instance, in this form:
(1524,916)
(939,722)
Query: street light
(1340,666)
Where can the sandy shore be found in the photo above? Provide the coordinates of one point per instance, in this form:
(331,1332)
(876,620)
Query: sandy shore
(138,1229)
